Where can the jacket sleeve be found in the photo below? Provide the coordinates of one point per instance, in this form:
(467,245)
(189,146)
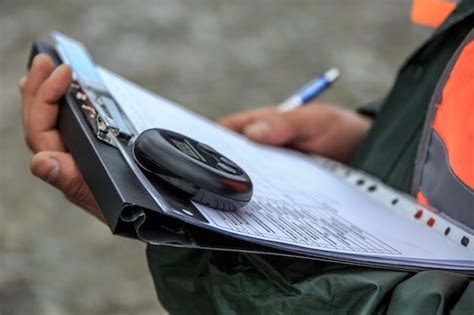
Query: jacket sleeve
(196,281)
(371,109)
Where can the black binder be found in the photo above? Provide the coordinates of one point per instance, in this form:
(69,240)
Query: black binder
(132,211)
(127,207)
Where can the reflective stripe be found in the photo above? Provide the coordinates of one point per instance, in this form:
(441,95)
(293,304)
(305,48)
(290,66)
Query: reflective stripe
(442,188)
(454,120)
(444,170)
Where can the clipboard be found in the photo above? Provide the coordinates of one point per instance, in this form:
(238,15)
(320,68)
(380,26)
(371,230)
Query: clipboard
(131,211)
(120,196)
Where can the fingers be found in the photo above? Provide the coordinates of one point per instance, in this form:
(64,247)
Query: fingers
(55,86)
(41,68)
(282,128)
(238,122)
(60,170)
(268,125)
(274,129)
(21,84)
(41,133)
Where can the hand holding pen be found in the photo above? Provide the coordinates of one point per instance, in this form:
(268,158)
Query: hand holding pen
(316,128)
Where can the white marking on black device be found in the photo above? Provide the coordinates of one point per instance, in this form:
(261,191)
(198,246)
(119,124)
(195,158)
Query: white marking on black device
(193,167)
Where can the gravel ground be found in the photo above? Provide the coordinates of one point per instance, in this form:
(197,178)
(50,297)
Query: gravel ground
(214,57)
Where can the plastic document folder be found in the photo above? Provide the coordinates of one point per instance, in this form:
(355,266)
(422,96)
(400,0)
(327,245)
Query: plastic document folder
(302,206)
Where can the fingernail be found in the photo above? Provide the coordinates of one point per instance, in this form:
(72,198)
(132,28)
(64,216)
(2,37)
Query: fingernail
(60,71)
(62,67)
(45,167)
(260,129)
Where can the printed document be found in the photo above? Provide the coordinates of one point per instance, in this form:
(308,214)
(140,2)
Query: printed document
(297,205)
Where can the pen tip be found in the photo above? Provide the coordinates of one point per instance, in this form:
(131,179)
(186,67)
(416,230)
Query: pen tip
(333,74)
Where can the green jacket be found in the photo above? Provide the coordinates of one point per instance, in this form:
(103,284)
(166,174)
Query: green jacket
(191,281)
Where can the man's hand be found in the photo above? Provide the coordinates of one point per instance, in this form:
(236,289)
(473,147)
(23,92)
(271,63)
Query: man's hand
(40,91)
(315,128)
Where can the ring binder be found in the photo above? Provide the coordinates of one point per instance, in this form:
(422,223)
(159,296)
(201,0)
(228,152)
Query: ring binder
(274,223)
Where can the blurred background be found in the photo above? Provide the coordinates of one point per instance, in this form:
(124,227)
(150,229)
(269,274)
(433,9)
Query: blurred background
(214,57)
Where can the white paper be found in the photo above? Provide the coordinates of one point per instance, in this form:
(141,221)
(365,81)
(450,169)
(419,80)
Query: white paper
(296,204)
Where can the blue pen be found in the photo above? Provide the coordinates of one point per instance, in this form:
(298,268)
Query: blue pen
(310,90)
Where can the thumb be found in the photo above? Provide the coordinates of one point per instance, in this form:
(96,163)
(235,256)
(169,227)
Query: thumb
(60,170)
(274,130)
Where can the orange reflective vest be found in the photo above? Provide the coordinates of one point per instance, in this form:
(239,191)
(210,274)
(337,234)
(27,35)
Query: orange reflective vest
(431,12)
(444,171)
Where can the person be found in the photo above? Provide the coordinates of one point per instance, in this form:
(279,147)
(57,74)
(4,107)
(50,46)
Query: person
(382,138)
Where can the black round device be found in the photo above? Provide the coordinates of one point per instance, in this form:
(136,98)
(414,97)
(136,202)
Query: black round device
(193,167)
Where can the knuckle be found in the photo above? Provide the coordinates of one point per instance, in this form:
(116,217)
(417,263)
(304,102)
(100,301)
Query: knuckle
(42,142)
(283,118)
(29,142)
(36,142)
(76,188)
(50,93)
